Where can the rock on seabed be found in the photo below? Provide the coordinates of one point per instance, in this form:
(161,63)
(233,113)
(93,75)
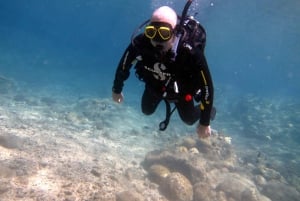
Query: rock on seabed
(177,187)
(202,175)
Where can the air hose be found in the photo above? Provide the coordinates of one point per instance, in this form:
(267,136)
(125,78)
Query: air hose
(180,28)
(164,124)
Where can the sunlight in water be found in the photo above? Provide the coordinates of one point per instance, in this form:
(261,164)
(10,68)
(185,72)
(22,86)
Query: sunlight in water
(63,138)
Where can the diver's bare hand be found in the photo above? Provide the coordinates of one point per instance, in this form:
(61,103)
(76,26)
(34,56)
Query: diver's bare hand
(117,97)
(203,131)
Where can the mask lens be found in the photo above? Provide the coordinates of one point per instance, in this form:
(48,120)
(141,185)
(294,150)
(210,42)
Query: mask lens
(165,33)
(150,32)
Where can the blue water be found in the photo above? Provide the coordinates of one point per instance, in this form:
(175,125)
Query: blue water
(252,45)
(252,50)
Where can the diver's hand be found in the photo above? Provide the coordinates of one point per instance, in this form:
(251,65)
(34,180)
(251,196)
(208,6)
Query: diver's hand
(203,131)
(117,97)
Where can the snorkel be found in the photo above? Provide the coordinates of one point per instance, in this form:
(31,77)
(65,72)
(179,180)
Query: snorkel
(179,31)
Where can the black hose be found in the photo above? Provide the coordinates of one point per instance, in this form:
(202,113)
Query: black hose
(164,124)
(184,12)
(179,30)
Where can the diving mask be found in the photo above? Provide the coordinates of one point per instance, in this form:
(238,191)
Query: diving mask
(159,31)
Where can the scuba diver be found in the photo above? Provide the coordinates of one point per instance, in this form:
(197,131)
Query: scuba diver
(169,58)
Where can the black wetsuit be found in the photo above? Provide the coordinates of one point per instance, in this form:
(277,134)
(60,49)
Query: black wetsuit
(179,81)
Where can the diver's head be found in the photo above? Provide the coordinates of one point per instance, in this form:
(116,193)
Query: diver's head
(165,14)
(161,28)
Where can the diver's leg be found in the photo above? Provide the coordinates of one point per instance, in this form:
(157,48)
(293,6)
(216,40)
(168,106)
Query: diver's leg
(188,113)
(150,101)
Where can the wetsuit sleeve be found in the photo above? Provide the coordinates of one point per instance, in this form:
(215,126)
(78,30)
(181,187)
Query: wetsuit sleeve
(123,70)
(205,84)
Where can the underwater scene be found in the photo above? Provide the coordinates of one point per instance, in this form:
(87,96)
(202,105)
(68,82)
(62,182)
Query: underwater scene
(63,138)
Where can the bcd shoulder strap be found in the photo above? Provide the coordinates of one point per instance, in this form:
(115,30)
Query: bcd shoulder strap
(194,34)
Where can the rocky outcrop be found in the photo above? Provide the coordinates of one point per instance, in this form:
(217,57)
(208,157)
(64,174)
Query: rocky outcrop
(201,170)
(177,187)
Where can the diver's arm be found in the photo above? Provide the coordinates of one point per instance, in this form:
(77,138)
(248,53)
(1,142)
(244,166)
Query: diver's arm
(205,84)
(123,70)
(207,90)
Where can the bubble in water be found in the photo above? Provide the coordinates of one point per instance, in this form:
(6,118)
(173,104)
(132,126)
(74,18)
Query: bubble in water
(197,6)
(157,3)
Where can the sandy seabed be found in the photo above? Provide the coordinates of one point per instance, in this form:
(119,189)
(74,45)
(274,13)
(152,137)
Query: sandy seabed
(75,149)
(92,149)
